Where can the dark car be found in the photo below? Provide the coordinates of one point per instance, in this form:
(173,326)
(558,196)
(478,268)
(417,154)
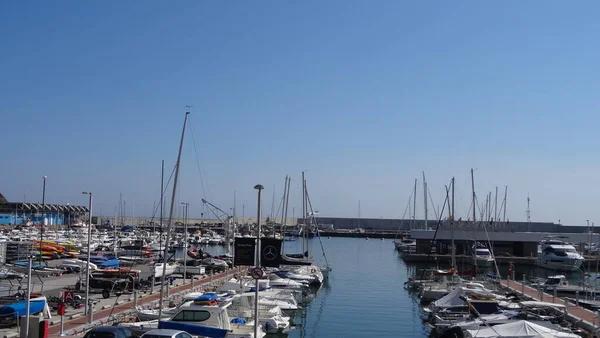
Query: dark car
(109,332)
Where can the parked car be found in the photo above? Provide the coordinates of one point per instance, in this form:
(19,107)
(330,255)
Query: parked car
(109,332)
(164,333)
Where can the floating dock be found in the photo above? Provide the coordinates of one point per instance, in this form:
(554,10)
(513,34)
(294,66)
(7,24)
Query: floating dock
(580,317)
(468,259)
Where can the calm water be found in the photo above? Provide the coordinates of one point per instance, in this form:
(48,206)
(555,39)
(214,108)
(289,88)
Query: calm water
(364,296)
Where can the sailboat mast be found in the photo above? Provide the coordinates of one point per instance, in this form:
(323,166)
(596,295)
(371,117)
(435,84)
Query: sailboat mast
(425,197)
(287,201)
(528,215)
(452,226)
(162,198)
(474,212)
(414,214)
(285,186)
(504,213)
(304,227)
(177,165)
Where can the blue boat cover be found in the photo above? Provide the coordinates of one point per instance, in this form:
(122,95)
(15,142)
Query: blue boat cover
(194,330)
(19,309)
(207,297)
(493,276)
(33,266)
(238,321)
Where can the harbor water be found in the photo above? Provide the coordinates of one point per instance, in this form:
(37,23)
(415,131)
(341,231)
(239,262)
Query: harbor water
(364,296)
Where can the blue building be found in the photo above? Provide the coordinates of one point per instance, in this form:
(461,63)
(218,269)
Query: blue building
(19,213)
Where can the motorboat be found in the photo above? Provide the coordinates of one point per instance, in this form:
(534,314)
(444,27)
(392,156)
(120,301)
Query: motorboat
(406,245)
(562,286)
(559,255)
(519,329)
(483,257)
(215,264)
(158,269)
(152,314)
(76,265)
(277,281)
(527,310)
(204,317)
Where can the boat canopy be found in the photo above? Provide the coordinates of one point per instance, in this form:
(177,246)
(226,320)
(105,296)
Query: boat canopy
(451,299)
(19,309)
(531,303)
(194,330)
(517,329)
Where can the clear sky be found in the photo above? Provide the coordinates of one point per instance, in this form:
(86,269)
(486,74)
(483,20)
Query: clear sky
(362,95)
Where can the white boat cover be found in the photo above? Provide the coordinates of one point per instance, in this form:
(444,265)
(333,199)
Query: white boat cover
(451,299)
(518,329)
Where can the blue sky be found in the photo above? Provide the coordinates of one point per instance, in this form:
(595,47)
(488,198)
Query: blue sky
(361,95)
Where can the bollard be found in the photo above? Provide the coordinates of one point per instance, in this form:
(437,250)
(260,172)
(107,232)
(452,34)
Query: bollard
(167,288)
(523,286)
(135,299)
(554,295)
(577,297)
(91,311)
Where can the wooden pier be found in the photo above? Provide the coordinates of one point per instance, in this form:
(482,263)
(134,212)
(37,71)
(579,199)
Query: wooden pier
(468,259)
(581,318)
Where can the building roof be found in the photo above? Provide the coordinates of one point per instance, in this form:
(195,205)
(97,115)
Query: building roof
(39,207)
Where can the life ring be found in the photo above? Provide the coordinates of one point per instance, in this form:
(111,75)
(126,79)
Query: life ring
(313,270)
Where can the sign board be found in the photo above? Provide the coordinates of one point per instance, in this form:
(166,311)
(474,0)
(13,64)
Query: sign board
(270,252)
(243,251)
(68,296)
(257,273)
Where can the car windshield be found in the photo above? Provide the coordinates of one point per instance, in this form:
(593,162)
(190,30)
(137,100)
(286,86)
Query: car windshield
(155,336)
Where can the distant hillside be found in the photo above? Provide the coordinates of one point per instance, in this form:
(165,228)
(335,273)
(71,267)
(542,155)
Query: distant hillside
(2,199)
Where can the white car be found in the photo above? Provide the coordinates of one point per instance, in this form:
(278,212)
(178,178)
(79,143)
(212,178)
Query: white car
(165,333)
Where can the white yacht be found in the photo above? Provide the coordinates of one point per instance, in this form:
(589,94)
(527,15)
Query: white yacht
(483,257)
(201,318)
(559,255)
(406,245)
(158,270)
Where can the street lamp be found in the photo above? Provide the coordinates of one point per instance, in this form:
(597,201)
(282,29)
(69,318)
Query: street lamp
(89,241)
(43,212)
(28,297)
(185,220)
(259,188)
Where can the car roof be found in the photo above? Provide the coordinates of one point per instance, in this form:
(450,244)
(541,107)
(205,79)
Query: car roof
(163,332)
(108,329)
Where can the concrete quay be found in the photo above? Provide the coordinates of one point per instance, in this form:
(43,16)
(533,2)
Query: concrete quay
(578,316)
(468,259)
(111,311)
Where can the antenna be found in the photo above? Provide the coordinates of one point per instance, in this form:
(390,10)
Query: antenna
(188,106)
(528,215)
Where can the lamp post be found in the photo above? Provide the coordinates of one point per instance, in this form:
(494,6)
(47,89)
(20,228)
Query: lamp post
(28,297)
(43,212)
(185,220)
(259,188)
(89,240)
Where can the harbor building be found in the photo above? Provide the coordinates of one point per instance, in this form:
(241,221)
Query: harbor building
(390,224)
(16,213)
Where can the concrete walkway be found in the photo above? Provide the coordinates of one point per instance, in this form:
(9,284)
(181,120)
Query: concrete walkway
(107,314)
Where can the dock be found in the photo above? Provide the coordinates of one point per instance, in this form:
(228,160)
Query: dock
(118,309)
(468,259)
(580,317)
